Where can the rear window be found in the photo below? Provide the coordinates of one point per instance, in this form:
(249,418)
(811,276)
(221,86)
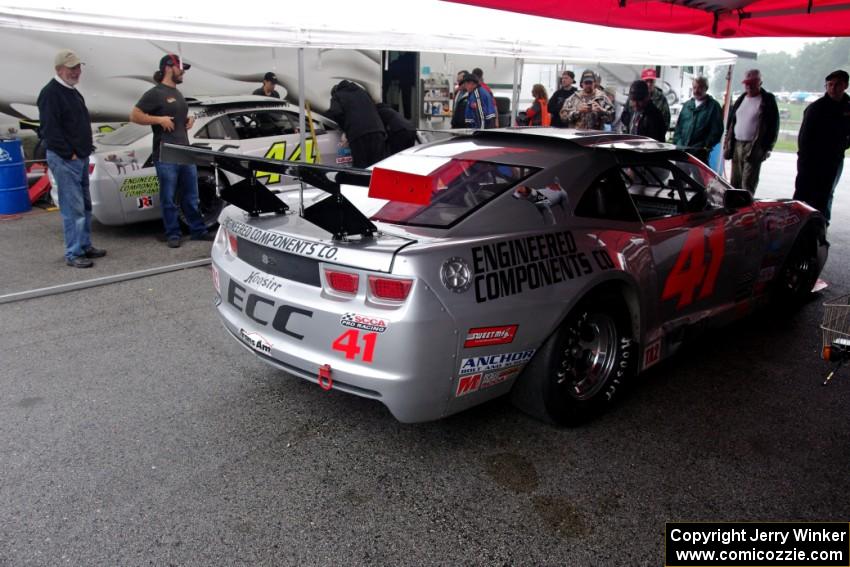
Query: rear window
(458,188)
(125,135)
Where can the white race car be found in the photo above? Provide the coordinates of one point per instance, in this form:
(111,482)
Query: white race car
(123,182)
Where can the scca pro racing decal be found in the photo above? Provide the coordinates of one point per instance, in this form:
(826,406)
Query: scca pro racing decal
(364,322)
(510,267)
(281,241)
(488,336)
(256,341)
(494,361)
(475,382)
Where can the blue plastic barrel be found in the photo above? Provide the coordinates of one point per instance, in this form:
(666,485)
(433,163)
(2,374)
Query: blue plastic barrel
(14,196)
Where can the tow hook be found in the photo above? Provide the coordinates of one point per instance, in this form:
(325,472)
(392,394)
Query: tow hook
(325,380)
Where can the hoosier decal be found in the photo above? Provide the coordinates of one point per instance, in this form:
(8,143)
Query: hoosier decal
(260,279)
(494,361)
(488,336)
(281,241)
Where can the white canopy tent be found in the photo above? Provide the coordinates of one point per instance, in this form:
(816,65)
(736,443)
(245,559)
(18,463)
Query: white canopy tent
(415,25)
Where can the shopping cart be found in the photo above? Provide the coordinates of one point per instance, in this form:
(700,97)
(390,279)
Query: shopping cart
(836,333)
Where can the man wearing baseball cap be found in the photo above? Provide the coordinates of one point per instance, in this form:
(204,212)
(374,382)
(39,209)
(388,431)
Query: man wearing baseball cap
(640,116)
(587,109)
(164,109)
(480,105)
(649,76)
(267,88)
(751,132)
(824,136)
(65,128)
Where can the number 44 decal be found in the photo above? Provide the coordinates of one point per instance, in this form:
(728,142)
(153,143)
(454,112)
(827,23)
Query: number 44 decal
(278,151)
(690,271)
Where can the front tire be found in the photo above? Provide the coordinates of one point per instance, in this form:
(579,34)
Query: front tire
(582,367)
(801,269)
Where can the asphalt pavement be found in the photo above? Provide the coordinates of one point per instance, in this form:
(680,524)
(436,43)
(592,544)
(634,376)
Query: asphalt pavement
(135,431)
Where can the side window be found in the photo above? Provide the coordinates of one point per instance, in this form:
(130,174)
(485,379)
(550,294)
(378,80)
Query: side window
(218,129)
(715,186)
(318,125)
(659,190)
(274,123)
(245,125)
(607,198)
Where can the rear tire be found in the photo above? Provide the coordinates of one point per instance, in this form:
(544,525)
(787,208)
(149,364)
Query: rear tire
(582,367)
(209,202)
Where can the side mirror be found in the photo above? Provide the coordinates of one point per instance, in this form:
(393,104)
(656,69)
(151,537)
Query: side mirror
(737,198)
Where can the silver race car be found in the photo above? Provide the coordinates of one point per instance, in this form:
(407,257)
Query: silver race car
(549,264)
(123,182)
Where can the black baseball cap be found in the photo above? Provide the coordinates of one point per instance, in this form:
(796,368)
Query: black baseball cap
(171,60)
(270,77)
(469,77)
(840,75)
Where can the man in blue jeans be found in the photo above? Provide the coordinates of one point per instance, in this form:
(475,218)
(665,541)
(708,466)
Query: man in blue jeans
(164,109)
(66,131)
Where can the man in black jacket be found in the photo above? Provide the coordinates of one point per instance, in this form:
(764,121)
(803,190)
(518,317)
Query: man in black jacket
(640,116)
(824,137)
(556,103)
(66,131)
(353,109)
(400,132)
(751,132)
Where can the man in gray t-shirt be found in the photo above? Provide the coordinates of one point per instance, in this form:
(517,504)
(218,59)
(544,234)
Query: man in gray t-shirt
(164,109)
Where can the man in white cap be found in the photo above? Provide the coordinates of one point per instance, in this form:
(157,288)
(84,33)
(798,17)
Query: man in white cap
(751,132)
(65,128)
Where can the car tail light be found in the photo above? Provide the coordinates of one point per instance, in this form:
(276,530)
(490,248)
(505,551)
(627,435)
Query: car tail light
(391,289)
(91,168)
(342,282)
(233,243)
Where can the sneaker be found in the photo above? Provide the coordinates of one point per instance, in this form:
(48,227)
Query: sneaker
(174,243)
(93,252)
(206,236)
(79,262)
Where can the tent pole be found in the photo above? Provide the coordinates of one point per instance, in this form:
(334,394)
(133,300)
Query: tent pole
(727,106)
(302,139)
(515,94)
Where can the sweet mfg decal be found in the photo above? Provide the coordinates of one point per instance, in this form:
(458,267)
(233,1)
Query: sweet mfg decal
(494,361)
(281,241)
(488,336)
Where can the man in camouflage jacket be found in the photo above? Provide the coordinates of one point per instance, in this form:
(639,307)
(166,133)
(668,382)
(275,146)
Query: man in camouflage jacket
(588,109)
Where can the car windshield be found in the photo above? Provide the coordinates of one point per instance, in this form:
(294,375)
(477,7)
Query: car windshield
(125,135)
(447,193)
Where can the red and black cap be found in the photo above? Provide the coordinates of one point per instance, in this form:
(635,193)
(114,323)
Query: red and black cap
(171,60)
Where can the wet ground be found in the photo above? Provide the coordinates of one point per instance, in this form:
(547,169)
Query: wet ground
(135,431)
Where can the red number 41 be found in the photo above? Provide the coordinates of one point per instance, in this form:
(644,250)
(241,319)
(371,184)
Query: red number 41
(690,270)
(347,343)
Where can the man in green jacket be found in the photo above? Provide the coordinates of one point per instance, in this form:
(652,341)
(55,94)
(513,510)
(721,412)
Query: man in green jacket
(700,124)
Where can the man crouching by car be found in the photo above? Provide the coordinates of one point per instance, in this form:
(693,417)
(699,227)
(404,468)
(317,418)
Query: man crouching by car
(164,109)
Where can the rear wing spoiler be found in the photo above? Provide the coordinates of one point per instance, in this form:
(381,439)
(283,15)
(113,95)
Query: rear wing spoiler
(334,214)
